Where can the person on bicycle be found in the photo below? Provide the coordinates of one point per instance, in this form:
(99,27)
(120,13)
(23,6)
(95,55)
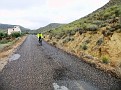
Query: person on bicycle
(40,36)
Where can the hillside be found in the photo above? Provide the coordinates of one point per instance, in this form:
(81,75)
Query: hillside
(95,37)
(4,27)
(49,27)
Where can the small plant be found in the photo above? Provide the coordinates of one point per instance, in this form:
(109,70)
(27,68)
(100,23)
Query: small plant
(3,34)
(73,32)
(87,41)
(92,27)
(105,59)
(54,43)
(100,41)
(67,39)
(84,47)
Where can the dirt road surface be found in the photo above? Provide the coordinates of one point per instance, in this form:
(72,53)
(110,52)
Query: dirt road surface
(35,67)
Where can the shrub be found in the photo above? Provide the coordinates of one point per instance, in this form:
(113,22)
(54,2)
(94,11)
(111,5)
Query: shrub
(72,39)
(97,22)
(73,32)
(86,42)
(106,15)
(84,47)
(58,36)
(82,31)
(100,41)
(54,43)
(92,27)
(15,34)
(67,39)
(103,25)
(3,35)
(117,26)
(112,29)
(105,59)
(107,33)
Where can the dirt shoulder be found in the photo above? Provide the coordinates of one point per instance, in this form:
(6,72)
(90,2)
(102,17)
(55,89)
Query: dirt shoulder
(8,50)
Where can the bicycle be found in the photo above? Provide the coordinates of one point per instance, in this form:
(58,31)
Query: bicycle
(40,42)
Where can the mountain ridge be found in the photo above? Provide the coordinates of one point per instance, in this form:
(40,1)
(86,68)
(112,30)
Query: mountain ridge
(48,27)
(4,27)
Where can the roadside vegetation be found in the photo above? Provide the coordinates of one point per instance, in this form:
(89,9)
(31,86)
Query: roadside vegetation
(95,37)
(6,40)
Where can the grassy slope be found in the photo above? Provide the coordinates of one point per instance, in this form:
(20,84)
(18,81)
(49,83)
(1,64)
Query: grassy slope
(96,36)
(48,27)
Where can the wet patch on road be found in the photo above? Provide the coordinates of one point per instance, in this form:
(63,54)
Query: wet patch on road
(64,80)
(59,73)
(14,57)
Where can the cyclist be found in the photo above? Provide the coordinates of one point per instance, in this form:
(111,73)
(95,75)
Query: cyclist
(40,36)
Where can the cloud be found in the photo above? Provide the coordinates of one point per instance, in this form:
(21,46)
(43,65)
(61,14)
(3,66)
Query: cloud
(37,13)
(20,4)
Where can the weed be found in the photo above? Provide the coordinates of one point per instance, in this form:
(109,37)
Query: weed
(105,59)
(100,41)
(84,47)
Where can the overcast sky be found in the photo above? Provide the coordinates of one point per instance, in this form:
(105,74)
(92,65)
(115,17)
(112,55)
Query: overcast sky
(38,13)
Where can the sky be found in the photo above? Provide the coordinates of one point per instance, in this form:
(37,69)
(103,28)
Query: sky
(34,14)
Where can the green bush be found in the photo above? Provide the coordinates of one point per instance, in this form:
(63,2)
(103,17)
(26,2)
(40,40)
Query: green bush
(103,25)
(106,15)
(3,35)
(97,22)
(67,39)
(16,34)
(92,27)
(84,47)
(73,32)
(100,41)
(105,59)
(112,29)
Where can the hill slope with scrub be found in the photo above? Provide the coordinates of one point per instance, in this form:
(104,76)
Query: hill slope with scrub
(95,37)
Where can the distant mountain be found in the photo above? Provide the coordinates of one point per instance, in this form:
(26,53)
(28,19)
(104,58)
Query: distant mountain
(49,27)
(4,27)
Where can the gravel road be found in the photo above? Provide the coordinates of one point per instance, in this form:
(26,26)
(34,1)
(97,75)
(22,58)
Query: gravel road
(35,67)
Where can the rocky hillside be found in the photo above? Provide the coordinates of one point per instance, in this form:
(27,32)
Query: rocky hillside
(96,37)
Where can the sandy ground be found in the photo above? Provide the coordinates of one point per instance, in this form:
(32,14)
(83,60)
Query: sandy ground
(7,51)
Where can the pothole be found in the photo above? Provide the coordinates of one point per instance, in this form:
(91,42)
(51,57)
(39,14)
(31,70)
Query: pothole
(60,73)
(14,57)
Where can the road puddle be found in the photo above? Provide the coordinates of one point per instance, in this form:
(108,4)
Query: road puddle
(14,57)
(57,87)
